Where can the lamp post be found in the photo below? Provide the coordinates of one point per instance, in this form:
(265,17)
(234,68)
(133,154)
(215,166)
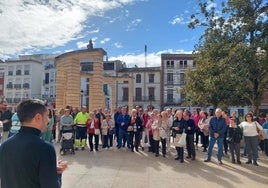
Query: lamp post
(82,93)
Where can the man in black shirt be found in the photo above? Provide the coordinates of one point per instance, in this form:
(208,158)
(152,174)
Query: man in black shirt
(25,159)
(5,117)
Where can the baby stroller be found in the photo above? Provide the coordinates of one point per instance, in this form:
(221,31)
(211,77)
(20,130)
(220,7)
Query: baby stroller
(67,140)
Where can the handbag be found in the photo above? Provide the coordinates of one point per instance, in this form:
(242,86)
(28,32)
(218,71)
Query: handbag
(182,140)
(260,134)
(163,134)
(97,131)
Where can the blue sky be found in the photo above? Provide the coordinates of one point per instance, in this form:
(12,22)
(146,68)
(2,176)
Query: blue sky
(121,27)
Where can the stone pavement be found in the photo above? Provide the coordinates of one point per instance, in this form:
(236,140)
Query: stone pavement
(123,168)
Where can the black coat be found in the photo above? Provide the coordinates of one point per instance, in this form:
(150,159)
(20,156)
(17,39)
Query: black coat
(234,135)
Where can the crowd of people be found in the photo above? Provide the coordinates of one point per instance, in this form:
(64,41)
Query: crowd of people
(135,129)
(139,128)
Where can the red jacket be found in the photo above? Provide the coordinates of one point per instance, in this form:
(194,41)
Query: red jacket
(91,130)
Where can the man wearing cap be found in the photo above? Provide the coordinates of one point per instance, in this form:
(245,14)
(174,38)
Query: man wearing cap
(81,128)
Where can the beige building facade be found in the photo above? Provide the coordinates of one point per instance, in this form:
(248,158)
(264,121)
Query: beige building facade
(68,80)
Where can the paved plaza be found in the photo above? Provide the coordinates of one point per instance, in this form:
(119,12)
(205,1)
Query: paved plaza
(125,169)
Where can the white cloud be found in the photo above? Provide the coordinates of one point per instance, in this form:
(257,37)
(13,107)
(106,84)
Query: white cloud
(105,40)
(133,24)
(178,20)
(28,25)
(81,45)
(152,59)
(118,45)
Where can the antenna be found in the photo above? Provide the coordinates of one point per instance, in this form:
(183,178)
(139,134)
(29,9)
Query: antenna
(145,54)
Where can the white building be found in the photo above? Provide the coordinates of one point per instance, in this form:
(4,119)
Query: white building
(22,80)
(48,75)
(173,68)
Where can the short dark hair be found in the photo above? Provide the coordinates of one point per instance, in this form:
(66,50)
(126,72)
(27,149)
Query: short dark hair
(27,109)
(234,120)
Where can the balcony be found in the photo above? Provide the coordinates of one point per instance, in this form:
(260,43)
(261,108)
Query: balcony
(26,72)
(172,101)
(144,98)
(9,86)
(26,86)
(170,82)
(18,72)
(17,86)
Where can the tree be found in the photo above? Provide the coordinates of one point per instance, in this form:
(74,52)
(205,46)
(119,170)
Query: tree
(231,55)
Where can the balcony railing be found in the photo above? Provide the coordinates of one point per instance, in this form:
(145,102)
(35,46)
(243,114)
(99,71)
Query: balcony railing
(9,86)
(17,86)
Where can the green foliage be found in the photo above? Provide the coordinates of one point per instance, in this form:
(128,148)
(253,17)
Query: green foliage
(231,54)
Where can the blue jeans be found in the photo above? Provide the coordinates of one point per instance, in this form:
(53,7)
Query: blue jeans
(123,133)
(212,141)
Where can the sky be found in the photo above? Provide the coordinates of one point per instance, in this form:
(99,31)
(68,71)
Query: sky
(121,27)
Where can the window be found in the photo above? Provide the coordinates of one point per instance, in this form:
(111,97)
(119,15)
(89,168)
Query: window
(169,78)
(52,76)
(125,94)
(125,82)
(18,69)
(185,63)
(2,75)
(26,69)
(151,78)
(46,78)
(181,79)
(181,64)
(138,78)
(86,66)
(170,64)
(10,70)
(170,96)
(108,66)
(51,91)
(151,93)
(138,93)
(17,84)
(105,89)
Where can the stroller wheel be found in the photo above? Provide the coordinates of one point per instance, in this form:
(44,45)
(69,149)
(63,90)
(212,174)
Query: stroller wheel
(62,152)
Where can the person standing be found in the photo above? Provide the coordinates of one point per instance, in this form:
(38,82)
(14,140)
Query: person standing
(123,122)
(217,128)
(249,127)
(178,127)
(48,133)
(265,134)
(81,128)
(93,129)
(6,116)
(234,136)
(156,126)
(134,130)
(34,167)
(204,131)
(190,131)
(15,125)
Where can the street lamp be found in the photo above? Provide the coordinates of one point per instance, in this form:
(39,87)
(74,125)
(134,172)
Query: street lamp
(82,93)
